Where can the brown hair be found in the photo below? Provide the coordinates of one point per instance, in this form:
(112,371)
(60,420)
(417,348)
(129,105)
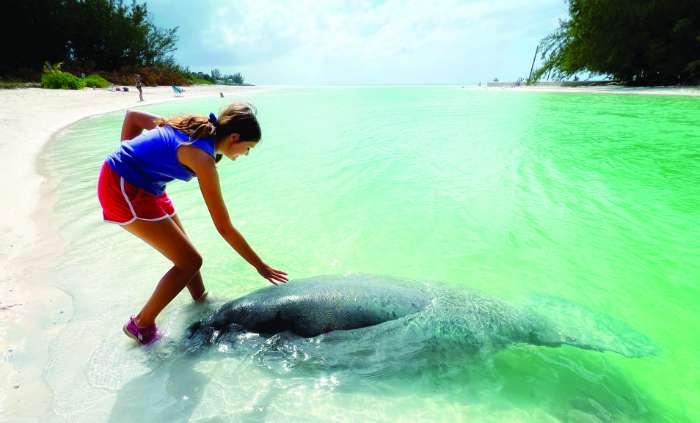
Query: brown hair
(236,118)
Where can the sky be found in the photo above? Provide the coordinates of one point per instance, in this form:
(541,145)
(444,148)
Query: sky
(328,42)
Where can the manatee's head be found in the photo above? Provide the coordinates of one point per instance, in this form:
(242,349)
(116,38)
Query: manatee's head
(203,333)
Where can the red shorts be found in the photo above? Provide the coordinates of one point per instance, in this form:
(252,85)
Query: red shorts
(123,203)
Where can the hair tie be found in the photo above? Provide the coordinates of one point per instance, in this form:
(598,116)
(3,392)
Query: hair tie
(212,119)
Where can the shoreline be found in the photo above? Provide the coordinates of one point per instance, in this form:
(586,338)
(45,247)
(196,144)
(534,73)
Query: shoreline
(32,312)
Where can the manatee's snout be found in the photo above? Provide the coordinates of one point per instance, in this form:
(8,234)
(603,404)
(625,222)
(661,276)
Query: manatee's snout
(193,329)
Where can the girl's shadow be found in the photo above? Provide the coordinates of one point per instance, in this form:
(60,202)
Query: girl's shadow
(173,389)
(139,401)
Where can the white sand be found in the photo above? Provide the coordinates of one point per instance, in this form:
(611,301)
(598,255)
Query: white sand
(31,312)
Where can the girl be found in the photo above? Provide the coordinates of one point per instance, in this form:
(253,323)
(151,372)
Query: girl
(131,190)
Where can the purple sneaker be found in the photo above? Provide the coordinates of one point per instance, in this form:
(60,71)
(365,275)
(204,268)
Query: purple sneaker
(144,335)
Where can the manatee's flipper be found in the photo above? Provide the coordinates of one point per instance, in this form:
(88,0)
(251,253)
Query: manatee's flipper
(560,322)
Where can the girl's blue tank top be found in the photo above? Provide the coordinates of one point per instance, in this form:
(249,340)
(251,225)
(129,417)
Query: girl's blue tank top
(150,161)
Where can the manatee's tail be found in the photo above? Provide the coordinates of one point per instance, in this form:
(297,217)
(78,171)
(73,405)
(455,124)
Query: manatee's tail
(564,323)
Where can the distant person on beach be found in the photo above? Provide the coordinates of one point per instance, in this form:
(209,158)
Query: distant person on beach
(131,191)
(139,86)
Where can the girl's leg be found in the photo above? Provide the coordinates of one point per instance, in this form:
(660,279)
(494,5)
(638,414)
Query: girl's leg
(195,285)
(166,237)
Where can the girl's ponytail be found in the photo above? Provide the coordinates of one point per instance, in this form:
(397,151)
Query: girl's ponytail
(235,118)
(195,127)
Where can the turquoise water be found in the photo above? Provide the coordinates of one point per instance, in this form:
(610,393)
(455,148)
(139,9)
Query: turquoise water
(589,198)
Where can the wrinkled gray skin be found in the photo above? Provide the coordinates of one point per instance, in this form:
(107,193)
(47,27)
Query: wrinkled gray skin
(320,305)
(368,310)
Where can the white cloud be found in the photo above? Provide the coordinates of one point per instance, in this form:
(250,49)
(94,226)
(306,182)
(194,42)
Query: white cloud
(373,41)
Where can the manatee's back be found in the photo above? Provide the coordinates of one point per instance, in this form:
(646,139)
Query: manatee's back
(321,304)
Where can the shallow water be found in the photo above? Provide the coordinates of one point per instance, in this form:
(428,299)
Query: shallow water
(593,199)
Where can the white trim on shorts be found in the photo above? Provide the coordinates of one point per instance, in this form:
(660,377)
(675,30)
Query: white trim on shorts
(133,212)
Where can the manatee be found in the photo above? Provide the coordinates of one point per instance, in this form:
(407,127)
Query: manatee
(363,312)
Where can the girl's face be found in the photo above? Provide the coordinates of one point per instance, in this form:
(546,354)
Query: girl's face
(233,147)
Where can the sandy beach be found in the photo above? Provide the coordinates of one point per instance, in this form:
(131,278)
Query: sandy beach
(31,312)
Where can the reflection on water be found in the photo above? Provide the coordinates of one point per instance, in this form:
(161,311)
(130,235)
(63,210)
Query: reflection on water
(174,388)
(593,199)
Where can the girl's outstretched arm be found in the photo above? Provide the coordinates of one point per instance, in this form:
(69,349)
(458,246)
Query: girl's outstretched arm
(136,121)
(204,167)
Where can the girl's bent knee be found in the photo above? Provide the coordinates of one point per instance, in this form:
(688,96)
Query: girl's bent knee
(197,262)
(192,264)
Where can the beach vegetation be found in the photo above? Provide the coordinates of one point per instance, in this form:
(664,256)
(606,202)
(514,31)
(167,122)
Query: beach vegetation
(96,81)
(54,77)
(200,81)
(201,76)
(109,39)
(159,74)
(237,78)
(217,77)
(89,36)
(62,80)
(227,79)
(635,42)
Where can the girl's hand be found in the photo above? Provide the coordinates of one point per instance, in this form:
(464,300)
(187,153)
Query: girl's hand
(271,274)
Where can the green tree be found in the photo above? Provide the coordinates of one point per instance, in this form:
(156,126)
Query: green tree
(99,34)
(644,42)
(237,78)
